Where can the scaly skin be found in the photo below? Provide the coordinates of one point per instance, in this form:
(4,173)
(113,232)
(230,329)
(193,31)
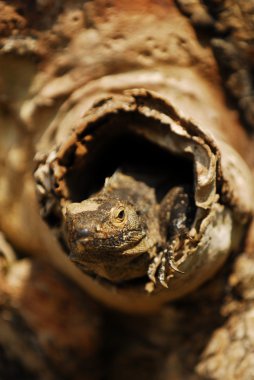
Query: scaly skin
(122,233)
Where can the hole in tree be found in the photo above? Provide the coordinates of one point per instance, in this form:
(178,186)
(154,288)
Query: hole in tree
(132,155)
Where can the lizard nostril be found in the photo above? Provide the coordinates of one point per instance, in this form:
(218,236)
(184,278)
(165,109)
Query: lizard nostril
(83,233)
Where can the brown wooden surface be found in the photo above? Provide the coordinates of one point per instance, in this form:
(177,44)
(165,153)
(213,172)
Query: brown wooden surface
(49,327)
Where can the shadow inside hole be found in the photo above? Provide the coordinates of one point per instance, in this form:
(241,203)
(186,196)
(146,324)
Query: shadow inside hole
(132,155)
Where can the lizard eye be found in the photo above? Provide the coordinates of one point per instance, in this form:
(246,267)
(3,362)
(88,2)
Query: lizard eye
(118,216)
(121,215)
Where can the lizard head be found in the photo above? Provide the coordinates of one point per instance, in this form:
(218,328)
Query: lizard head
(103,225)
(109,234)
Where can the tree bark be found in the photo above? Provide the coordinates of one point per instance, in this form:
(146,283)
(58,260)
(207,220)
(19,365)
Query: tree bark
(58,58)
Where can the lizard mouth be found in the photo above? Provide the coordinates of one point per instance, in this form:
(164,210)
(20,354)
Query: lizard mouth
(111,244)
(97,241)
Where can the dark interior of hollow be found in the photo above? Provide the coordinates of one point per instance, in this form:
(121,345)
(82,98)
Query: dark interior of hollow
(133,155)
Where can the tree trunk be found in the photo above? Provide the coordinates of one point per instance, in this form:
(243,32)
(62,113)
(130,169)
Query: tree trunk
(59,61)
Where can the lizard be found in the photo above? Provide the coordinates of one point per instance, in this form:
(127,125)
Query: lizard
(122,232)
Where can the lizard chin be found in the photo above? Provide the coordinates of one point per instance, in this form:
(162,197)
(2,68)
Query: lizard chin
(114,270)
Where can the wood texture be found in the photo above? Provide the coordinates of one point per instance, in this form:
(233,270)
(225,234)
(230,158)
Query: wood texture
(50,325)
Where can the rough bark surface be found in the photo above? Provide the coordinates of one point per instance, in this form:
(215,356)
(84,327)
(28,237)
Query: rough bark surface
(50,326)
(228,25)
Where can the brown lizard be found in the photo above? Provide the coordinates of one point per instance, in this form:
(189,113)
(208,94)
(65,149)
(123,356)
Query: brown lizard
(123,233)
